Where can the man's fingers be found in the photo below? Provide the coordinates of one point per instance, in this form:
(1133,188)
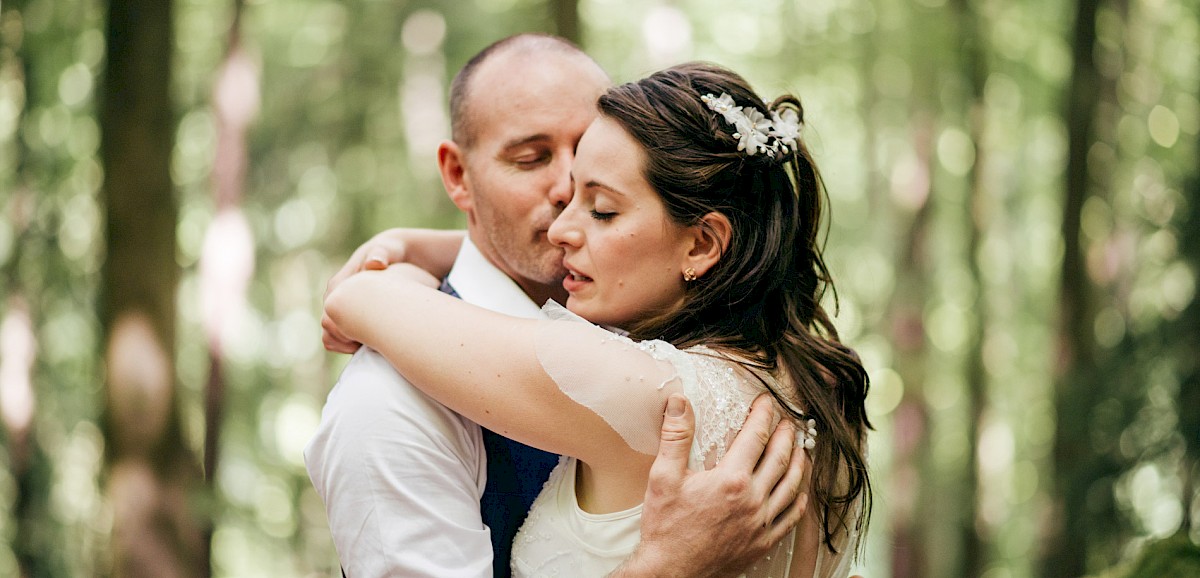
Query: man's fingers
(374,255)
(774,462)
(382,250)
(748,445)
(790,517)
(377,261)
(351,267)
(675,441)
(789,499)
(333,339)
(792,483)
(338,346)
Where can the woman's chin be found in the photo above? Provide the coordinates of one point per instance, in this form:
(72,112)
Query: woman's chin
(574,305)
(597,316)
(580,307)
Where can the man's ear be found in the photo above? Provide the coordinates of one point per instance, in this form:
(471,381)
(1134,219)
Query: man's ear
(454,175)
(711,237)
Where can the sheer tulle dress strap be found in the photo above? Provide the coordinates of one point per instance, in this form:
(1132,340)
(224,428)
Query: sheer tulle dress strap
(624,382)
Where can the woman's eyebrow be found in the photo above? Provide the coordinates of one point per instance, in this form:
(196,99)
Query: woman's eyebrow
(597,184)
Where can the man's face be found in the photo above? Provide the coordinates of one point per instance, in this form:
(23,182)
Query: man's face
(529,111)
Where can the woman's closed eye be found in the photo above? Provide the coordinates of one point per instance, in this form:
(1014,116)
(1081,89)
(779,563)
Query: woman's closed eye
(602,216)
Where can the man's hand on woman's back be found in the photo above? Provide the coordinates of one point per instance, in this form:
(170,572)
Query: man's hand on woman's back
(718,522)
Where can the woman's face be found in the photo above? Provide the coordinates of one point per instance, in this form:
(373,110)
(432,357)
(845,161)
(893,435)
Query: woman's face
(624,256)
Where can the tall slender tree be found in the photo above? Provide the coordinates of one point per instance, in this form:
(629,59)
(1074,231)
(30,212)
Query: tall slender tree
(1081,509)
(566,19)
(972,38)
(36,530)
(227,257)
(1184,333)
(152,479)
(914,264)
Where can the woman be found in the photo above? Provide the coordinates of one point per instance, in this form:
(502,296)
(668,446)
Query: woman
(693,227)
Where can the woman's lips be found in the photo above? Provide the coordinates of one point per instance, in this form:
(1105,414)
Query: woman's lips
(575,281)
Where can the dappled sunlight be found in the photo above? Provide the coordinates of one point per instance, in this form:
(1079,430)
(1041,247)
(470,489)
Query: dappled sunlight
(140,383)
(17,352)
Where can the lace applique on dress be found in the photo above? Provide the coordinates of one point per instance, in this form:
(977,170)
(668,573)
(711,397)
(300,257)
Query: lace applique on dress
(721,396)
(557,539)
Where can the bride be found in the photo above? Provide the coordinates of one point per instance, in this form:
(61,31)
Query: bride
(693,228)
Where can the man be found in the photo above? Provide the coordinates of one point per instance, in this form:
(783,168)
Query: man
(403,477)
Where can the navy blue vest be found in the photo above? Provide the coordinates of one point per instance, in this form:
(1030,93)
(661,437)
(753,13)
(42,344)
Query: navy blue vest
(515,476)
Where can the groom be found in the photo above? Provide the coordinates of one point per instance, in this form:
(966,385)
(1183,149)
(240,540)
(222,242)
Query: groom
(403,478)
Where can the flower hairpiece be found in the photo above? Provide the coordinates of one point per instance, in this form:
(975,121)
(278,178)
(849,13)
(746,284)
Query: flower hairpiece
(754,131)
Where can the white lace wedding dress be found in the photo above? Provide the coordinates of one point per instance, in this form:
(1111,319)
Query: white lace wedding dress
(560,539)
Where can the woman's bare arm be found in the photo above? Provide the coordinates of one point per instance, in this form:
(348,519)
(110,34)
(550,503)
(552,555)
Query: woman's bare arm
(485,365)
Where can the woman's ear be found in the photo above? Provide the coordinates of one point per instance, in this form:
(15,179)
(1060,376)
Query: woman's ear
(711,237)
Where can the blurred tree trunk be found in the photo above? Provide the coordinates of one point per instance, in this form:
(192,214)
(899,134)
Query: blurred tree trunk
(909,503)
(974,68)
(152,478)
(1185,332)
(36,531)
(1082,473)
(227,257)
(912,503)
(566,19)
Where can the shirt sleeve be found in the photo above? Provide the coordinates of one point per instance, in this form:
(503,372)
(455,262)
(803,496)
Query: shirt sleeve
(401,477)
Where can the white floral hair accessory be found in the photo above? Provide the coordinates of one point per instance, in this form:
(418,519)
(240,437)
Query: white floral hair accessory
(754,131)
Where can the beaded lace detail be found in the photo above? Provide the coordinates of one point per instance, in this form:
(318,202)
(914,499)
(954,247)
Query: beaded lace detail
(720,397)
(559,539)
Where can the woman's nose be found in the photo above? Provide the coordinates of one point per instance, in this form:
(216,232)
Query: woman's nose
(563,232)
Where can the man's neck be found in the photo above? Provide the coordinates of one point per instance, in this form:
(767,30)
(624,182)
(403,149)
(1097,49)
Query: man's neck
(540,293)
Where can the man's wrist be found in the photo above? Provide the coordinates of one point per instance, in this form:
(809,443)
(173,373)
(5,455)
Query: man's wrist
(646,562)
(640,564)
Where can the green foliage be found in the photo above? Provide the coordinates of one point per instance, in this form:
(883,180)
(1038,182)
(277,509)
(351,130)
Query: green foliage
(1174,557)
(945,243)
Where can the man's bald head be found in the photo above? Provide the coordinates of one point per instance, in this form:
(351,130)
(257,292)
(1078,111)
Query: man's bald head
(462,97)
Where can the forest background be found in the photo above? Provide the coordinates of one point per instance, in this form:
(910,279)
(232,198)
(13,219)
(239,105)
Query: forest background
(1015,240)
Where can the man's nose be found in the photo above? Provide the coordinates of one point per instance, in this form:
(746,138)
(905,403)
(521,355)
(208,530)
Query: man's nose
(560,190)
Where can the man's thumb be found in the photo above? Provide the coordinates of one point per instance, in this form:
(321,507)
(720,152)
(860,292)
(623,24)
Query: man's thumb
(678,427)
(376,260)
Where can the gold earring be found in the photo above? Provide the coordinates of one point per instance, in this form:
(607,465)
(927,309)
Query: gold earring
(689,274)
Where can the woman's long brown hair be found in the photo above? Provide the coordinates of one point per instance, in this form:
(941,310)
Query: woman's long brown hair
(762,301)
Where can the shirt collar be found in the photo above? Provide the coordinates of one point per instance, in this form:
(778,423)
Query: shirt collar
(481,283)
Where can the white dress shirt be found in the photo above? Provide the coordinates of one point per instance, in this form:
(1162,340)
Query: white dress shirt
(400,474)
